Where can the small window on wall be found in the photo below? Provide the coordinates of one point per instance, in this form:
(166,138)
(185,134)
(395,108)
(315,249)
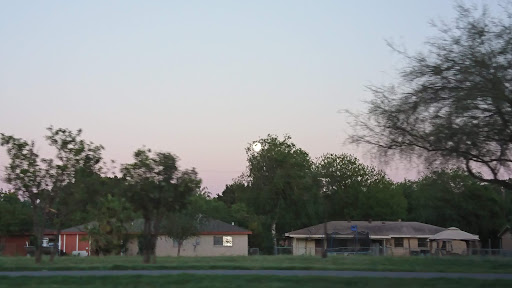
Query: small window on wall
(222,241)
(175,243)
(399,242)
(422,243)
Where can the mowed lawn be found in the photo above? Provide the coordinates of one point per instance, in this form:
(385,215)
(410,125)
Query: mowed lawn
(246,281)
(362,263)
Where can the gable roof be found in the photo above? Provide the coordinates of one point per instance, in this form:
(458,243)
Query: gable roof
(376,229)
(505,230)
(209,227)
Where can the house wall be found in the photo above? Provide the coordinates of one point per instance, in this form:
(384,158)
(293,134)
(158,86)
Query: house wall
(69,243)
(196,246)
(13,245)
(506,241)
(303,246)
(410,245)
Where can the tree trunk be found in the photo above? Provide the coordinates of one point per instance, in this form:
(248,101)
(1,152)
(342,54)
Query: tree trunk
(179,247)
(274,239)
(154,238)
(38,233)
(57,250)
(324,246)
(147,241)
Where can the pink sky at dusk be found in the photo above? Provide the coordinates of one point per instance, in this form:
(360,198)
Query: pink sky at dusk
(202,79)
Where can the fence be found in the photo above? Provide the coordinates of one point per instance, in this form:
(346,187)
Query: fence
(387,251)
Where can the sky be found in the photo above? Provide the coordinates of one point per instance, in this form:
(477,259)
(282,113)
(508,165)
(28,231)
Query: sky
(202,79)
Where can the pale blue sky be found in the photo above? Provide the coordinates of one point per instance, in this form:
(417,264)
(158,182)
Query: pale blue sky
(200,79)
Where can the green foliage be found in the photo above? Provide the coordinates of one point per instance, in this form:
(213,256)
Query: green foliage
(453,104)
(449,198)
(41,180)
(283,187)
(15,214)
(155,188)
(353,190)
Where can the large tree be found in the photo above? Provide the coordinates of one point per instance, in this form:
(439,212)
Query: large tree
(41,180)
(353,190)
(157,187)
(283,186)
(453,104)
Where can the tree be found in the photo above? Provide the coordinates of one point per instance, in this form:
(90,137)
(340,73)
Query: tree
(181,226)
(449,198)
(233,193)
(283,187)
(453,104)
(15,214)
(107,213)
(41,180)
(157,187)
(356,191)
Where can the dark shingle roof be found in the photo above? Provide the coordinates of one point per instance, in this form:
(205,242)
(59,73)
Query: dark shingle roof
(210,226)
(374,228)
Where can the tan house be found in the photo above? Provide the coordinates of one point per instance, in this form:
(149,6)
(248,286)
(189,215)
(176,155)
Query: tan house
(506,238)
(216,238)
(370,237)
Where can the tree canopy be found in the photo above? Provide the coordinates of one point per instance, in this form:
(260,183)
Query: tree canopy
(41,180)
(156,187)
(453,103)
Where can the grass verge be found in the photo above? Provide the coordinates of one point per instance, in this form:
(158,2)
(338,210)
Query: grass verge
(362,263)
(246,281)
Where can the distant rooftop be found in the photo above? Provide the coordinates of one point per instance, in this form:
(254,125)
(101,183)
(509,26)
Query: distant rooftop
(210,227)
(376,229)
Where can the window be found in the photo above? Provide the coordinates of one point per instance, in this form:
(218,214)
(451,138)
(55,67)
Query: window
(422,243)
(399,242)
(175,243)
(222,241)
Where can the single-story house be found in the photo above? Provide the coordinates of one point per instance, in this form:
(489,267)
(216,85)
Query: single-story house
(216,238)
(506,238)
(375,237)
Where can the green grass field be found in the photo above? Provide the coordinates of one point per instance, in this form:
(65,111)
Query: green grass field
(246,281)
(363,263)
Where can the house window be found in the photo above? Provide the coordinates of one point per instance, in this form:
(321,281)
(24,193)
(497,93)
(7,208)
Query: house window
(399,242)
(422,243)
(175,243)
(222,241)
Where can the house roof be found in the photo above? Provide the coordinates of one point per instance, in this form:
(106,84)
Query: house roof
(454,233)
(376,229)
(505,230)
(209,227)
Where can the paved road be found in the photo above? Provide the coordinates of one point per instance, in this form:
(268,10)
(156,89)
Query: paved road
(263,272)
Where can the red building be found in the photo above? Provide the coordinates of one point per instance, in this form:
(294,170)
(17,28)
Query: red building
(71,241)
